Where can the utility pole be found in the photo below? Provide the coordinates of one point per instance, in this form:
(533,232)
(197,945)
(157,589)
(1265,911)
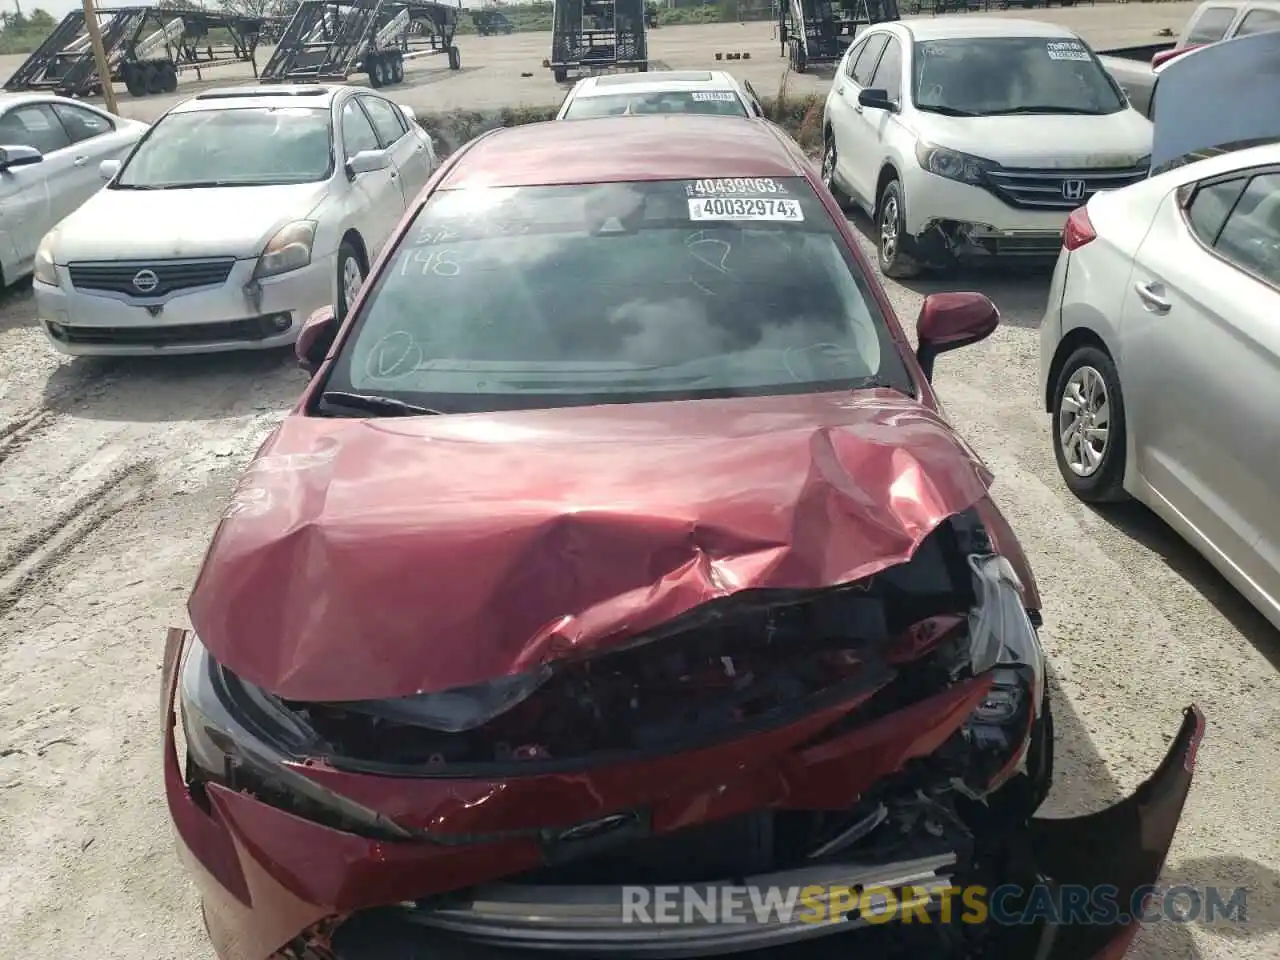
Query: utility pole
(100,56)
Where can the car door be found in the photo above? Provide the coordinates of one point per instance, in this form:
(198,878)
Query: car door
(93,139)
(874,125)
(1201,365)
(853,135)
(376,196)
(35,195)
(408,153)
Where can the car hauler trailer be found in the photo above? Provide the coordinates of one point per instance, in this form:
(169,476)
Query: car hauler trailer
(819,31)
(146,47)
(332,39)
(593,34)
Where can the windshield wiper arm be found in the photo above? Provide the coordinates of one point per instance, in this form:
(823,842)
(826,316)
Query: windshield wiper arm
(947,111)
(372,403)
(1042,108)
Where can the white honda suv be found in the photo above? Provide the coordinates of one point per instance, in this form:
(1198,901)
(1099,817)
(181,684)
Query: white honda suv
(968,137)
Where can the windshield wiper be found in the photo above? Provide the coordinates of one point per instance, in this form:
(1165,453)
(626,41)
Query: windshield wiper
(371,403)
(1042,108)
(947,111)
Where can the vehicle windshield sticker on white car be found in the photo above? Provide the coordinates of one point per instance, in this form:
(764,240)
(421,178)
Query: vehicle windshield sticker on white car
(1066,50)
(735,187)
(744,208)
(714,96)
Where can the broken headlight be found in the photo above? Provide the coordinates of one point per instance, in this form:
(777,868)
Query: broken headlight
(239,737)
(1003,641)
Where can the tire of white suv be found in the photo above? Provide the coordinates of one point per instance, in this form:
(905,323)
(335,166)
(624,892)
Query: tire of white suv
(891,235)
(829,158)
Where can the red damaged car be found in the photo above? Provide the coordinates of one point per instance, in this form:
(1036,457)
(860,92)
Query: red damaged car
(619,540)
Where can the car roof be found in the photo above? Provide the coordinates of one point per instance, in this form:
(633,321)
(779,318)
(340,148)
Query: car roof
(9,100)
(674,146)
(970,27)
(319,96)
(657,81)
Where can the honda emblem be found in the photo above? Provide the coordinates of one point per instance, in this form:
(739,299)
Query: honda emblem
(1072,189)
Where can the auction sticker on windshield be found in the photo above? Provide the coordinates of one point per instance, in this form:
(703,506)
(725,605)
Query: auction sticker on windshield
(735,186)
(1066,50)
(745,208)
(714,96)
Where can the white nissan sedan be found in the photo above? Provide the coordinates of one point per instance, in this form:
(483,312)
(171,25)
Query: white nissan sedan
(241,212)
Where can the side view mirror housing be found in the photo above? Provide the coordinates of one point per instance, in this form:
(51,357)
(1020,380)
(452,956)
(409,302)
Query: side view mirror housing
(19,156)
(315,338)
(367,161)
(409,115)
(949,321)
(876,100)
(108,169)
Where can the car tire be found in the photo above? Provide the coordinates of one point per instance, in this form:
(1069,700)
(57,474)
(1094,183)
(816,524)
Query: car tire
(349,257)
(829,158)
(1090,384)
(895,259)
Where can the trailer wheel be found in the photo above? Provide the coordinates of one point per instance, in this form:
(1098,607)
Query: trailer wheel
(151,78)
(133,80)
(560,74)
(168,78)
(373,66)
(397,69)
(455,58)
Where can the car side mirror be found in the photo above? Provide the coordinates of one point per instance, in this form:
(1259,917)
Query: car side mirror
(367,161)
(315,338)
(108,169)
(19,156)
(876,100)
(409,115)
(949,321)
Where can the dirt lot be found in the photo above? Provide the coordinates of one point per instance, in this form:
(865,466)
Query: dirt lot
(112,475)
(492,66)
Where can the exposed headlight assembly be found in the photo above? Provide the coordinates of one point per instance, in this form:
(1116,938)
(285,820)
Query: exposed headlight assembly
(238,737)
(289,249)
(45,270)
(951,164)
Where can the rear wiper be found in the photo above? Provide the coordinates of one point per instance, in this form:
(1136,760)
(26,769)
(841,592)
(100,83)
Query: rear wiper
(371,403)
(1077,111)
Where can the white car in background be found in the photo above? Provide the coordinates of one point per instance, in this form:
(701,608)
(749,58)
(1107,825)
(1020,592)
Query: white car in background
(242,211)
(660,91)
(968,137)
(50,149)
(1160,345)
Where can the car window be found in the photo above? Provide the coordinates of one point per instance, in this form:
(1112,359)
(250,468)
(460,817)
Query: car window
(34,125)
(724,103)
(888,75)
(1258,21)
(1211,25)
(81,124)
(989,76)
(388,122)
(867,60)
(558,296)
(231,147)
(1251,236)
(357,131)
(1208,209)
(851,57)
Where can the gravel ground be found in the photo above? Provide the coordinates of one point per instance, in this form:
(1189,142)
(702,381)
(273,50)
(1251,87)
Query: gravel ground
(112,475)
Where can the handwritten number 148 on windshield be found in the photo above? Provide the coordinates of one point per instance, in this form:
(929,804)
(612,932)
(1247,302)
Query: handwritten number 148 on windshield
(431,262)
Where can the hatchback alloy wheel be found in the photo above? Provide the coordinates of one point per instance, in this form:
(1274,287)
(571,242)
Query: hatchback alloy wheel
(352,279)
(1084,416)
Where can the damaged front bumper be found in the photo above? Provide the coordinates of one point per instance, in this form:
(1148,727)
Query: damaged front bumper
(276,884)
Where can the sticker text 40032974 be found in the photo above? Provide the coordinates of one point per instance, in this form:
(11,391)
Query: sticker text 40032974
(745,208)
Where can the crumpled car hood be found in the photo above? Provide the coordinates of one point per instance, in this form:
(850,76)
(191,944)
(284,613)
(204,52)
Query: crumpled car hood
(365,559)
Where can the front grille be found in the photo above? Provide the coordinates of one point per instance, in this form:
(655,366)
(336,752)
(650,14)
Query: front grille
(1058,189)
(121,276)
(257,328)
